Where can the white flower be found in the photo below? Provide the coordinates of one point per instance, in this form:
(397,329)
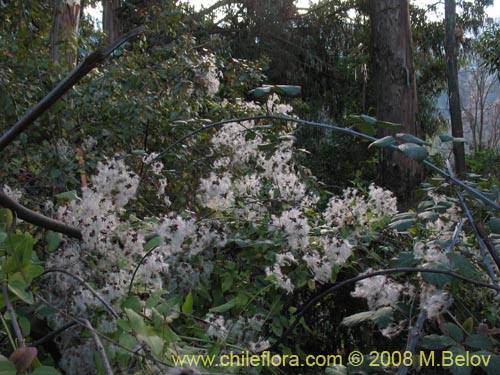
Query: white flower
(378,291)
(337,250)
(294,224)
(434,301)
(215,192)
(216,327)
(283,281)
(15,194)
(320,266)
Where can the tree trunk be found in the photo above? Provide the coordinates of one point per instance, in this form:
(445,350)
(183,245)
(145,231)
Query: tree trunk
(64,35)
(394,77)
(110,21)
(453,91)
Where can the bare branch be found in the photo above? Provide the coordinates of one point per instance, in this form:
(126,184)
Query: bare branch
(35,218)
(99,347)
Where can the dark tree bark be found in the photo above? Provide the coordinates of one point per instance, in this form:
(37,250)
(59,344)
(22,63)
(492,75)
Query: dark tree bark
(453,91)
(395,84)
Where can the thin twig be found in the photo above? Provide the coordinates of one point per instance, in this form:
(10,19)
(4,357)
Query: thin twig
(99,347)
(12,315)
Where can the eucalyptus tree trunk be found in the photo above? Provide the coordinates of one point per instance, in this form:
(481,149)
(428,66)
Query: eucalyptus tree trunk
(110,20)
(453,90)
(64,34)
(396,94)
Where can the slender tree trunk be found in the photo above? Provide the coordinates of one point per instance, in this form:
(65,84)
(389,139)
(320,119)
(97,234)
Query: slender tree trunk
(110,21)
(453,90)
(64,35)
(395,84)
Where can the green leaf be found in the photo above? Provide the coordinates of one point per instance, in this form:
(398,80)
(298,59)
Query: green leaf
(402,225)
(53,240)
(412,139)
(152,243)
(446,138)
(479,341)
(368,119)
(428,216)
(267,146)
(250,136)
(31,271)
(7,368)
(383,142)
(454,331)
(67,196)
(493,367)
(458,369)
(136,322)
(437,342)
(260,91)
(383,317)
(45,370)
(495,225)
(18,287)
(225,307)
(365,128)
(462,265)
(6,218)
(187,306)
(287,90)
(405,259)
(154,342)
(414,151)
(227,281)
(127,340)
(437,279)
(388,125)
(468,324)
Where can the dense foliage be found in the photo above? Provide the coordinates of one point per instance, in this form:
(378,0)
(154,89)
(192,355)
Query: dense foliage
(226,241)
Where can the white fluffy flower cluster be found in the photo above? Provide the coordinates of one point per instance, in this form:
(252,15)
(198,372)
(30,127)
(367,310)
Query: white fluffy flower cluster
(242,332)
(216,191)
(434,301)
(380,291)
(443,226)
(294,224)
(15,194)
(357,211)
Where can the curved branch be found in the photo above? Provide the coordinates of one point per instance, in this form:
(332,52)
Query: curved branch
(35,218)
(339,129)
(63,86)
(353,280)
